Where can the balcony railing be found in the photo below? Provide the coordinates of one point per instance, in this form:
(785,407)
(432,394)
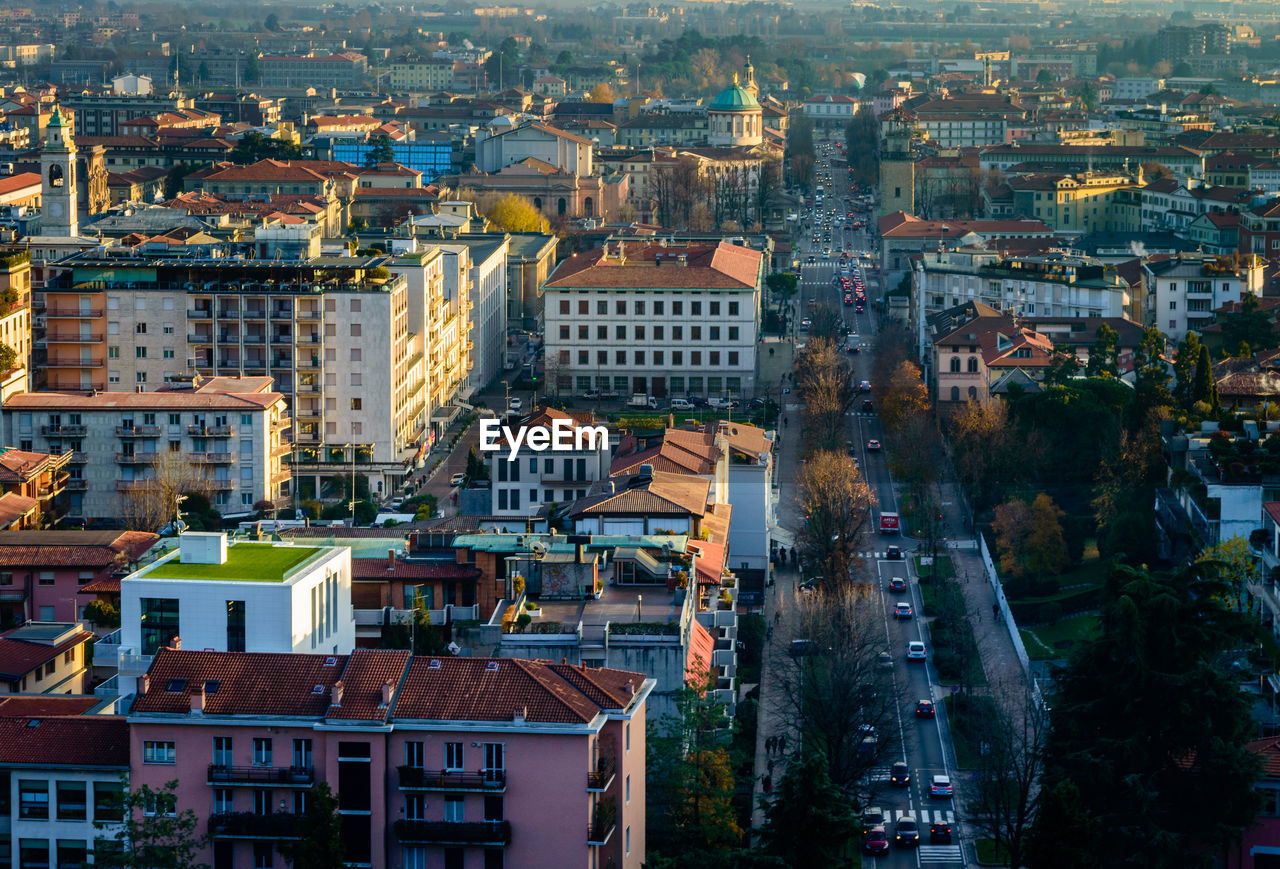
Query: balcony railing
(246,825)
(69,338)
(283,776)
(210,431)
(229,314)
(73,313)
(211,458)
(77,485)
(65,431)
(138,431)
(602,776)
(72,362)
(133,485)
(136,458)
(200,338)
(255,339)
(222,485)
(454,833)
(199,314)
(599,831)
(414,778)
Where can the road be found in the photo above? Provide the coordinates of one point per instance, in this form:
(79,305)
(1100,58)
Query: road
(925,741)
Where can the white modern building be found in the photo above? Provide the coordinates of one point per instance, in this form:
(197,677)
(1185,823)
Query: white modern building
(666,318)
(1187,290)
(488,283)
(523,485)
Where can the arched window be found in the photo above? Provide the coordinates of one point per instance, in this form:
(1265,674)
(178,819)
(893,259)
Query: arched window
(973,392)
(562,207)
(955,393)
(537,202)
(955,364)
(55,176)
(588,207)
(973,364)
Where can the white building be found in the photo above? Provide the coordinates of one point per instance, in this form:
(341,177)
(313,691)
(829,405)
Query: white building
(831,110)
(667,318)
(520,487)
(1136,88)
(488,283)
(131,85)
(230,429)
(500,144)
(237,596)
(1187,290)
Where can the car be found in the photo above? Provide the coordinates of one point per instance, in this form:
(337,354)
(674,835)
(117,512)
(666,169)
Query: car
(884,659)
(897,583)
(872,817)
(873,445)
(805,324)
(924,709)
(899,775)
(893,553)
(868,406)
(864,386)
(876,841)
(514,405)
(940,787)
(916,651)
(457,480)
(902,610)
(940,834)
(591,394)
(858,309)
(906,833)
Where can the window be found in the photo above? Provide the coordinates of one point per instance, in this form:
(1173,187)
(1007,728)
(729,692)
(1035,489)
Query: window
(302,754)
(108,801)
(33,853)
(453,755)
(715,309)
(222,751)
(564,307)
(262,802)
(73,801)
(261,751)
(626,737)
(695,309)
(235,625)
(733,309)
(677,308)
(695,333)
(222,800)
(627,790)
(414,808)
(602,308)
(46,577)
(33,799)
(973,364)
(263,855)
(140,328)
(73,853)
(139,352)
(159,623)
(113,352)
(159,752)
(453,809)
(657,307)
(620,307)
(627,840)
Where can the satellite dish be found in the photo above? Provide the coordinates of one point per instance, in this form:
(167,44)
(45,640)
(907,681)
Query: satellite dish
(539,548)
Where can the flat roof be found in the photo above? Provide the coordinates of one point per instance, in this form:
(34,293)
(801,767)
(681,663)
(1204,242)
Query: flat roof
(246,562)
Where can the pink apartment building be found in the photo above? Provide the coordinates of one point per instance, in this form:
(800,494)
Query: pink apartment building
(437,763)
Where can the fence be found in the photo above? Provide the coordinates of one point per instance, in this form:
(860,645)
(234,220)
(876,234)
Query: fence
(1014,635)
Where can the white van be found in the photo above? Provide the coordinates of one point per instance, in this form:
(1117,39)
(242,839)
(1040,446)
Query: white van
(681,404)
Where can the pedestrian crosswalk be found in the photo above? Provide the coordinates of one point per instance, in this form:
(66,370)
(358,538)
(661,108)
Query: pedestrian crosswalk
(924,817)
(941,854)
(868,556)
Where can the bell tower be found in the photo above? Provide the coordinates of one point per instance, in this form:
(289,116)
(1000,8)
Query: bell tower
(749,79)
(58,169)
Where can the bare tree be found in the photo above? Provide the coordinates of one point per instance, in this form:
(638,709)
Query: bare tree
(150,503)
(1006,794)
(836,502)
(838,695)
(823,379)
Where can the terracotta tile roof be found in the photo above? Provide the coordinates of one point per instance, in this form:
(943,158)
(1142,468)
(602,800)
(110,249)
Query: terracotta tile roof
(21,181)
(68,740)
(19,657)
(664,457)
(376,569)
(1268,751)
(710,561)
(901,225)
(248,683)
(105,585)
(666,494)
(1273,510)
(130,544)
(748,439)
(698,660)
(265,170)
(548,415)
(720,267)
(175,400)
(20,466)
(15,507)
(716,522)
(39,705)
(367,670)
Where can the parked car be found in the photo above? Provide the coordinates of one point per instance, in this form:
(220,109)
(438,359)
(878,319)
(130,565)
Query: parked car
(681,404)
(940,787)
(884,659)
(902,610)
(515,405)
(924,709)
(457,480)
(591,394)
(906,833)
(800,648)
(915,651)
(899,775)
(876,841)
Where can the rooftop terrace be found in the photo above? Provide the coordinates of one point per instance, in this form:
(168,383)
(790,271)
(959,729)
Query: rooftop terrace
(246,562)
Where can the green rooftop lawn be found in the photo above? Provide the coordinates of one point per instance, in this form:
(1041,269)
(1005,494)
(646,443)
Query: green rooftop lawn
(246,562)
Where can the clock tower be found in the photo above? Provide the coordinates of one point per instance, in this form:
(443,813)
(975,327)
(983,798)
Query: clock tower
(58,169)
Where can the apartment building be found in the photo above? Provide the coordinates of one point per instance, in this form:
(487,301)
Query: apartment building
(15,318)
(524,485)
(487,258)
(331,330)
(1082,203)
(117,442)
(44,574)
(106,114)
(903,236)
(435,74)
(44,658)
(346,69)
(669,318)
(60,781)
(435,761)
(1188,288)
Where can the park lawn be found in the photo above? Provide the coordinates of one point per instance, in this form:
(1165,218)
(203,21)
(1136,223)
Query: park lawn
(246,562)
(990,854)
(1054,641)
(942,565)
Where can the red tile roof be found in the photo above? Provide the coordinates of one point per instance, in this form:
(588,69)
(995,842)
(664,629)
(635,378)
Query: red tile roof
(69,740)
(248,684)
(41,705)
(149,400)
(710,561)
(367,670)
(701,645)
(1268,751)
(1273,510)
(720,267)
(20,466)
(21,181)
(19,657)
(42,548)
(15,507)
(901,225)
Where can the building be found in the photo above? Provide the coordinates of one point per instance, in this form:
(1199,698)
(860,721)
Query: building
(530,258)
(734,118)
(15,319)
(61,770)
(487,261)
(1082,203)
(831,110)
(500,144)
(986,356)
(434,761)
(422,76)
(677,319)
(33,484)
(60,200)
(1260,230)
(105,114)
(221,439)
(530,481)
(1187,289)
(44,658)
(344,70)
(903,236)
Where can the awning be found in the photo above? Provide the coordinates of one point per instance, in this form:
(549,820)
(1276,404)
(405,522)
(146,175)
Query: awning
(782,536)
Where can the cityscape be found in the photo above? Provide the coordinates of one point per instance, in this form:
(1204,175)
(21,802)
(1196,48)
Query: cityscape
(409,387)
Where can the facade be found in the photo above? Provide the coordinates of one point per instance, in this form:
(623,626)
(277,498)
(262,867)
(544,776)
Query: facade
(346,69)
(424,76)
(985,357)
(105,114)
(15,318)
(500,145)
(664,319)
(44,658)
(827,110)
(522,486)
(1081,203)
(1260,230)
(233,440)
(434,761)
(903,236)
(735,119)
(1189,288)
(487,258)
(60,201)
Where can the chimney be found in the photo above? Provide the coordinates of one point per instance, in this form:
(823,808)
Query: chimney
(391,559)
(631,688)
(335,693)
(144,683)
(563,661)
(387,690)
(176,645)
(197,700)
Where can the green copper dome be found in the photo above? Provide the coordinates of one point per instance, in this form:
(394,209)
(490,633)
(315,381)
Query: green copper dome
(734,98)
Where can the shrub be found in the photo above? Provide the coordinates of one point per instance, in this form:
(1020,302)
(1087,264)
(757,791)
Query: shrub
(523,620)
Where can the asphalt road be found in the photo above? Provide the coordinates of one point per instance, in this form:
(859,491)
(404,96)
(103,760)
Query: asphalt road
(925,741)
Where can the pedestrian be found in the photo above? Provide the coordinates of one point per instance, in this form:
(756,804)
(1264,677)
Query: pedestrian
(777,614)
(769,634)
(784,422)
(995,610)
(768,784)
(770,767)
(782,744)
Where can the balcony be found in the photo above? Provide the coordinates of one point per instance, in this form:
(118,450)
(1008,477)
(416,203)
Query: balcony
(599,831)
(135,458)
(64,431)
(222,485)
(282,314)
(281,339)
(313,338)
(454,832)
(211,458)
(255,313)
(210,431)
(309,314)
(132,485)
(413,778)
(229,314)
(72,313)
(77,485)
(255,339)
(199,314)
(138,431)
(246,825)
(70,362)
(69,338)
(280,776)
(200,338)
(602,776)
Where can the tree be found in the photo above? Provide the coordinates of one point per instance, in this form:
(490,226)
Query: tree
(808,821)
(251,69)
(102,614)
(1234,562)
(1103,357)
(983,450)
(904,397)
(381,152)
(513,213)
(1151,384)
(8,358)
(1005,799)
(154,834)
(1182,70)
(1046,547)
(1185,360)
(1045,76)
(320,844)
(1249,325)
(1142,714)
(154,501)
(415,633)
(835,501)
(782,284)
(601,93)
(1206,385)
(1087,94)
(1124,492)
(799,154)
(272,23)
(838,690)
(1011,525)
(823,380)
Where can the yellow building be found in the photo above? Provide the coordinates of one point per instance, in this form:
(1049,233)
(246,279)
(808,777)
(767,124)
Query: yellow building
(1085,202)
(424,75)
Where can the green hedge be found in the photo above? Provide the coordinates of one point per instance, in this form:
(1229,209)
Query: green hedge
(1050,609)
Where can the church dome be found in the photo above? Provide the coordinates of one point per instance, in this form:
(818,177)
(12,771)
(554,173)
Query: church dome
(734,98)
